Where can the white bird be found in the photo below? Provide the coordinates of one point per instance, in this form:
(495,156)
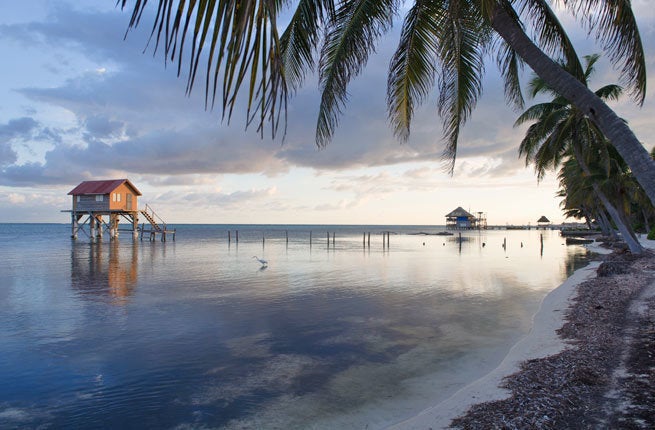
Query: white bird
(263,262)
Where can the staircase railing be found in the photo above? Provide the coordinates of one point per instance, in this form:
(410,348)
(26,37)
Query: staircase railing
(153,217)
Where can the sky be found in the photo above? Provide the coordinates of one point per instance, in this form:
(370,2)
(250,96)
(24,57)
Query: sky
(82,102)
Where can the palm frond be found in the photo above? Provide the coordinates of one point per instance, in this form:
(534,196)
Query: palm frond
(552,37)
(244,49)
(616,28)
(610,92)
(536,112)
(300,39)
(350,39)
(464,44)
(510,66)
(413,66)
(590,62)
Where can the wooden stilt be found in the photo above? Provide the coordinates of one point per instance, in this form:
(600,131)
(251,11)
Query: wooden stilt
(74,224)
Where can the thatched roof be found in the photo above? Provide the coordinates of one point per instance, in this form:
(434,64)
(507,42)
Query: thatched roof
(543,219)
(459,212)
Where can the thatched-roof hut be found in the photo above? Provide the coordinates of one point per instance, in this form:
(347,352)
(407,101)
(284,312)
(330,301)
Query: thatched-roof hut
(460,218)
(543,221)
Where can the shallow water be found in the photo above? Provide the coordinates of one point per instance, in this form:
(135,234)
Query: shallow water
(195,333)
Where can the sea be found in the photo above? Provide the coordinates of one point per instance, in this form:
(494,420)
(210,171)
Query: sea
(344,327)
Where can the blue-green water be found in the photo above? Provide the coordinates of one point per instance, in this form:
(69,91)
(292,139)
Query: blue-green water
(197,334)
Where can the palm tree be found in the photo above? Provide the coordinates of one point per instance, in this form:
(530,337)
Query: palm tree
(578,200)
(559,131)
(442,40)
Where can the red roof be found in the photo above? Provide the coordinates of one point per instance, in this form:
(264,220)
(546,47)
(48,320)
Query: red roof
(101,187)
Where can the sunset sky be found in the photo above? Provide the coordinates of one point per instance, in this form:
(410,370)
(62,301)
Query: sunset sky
(80,102)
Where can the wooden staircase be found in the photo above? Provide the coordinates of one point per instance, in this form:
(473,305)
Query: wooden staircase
(157,225)
(151,219)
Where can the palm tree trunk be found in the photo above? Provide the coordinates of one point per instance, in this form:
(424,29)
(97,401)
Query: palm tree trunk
(626,221)
(605,225)
(587,221)
(646,223)
(626,231)
(615,129)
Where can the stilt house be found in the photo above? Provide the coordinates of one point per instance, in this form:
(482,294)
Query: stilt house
(104,202)
(107,195)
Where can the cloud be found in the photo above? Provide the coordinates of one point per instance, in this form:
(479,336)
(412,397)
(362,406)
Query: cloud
(107,109)
(131,115)
(20,128)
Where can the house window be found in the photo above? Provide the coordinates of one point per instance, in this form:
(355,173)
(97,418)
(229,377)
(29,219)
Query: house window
(118,197)
(78,199)
(113,197)
(99,197)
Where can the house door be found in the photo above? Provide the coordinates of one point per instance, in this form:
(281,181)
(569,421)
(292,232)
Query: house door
(129,201)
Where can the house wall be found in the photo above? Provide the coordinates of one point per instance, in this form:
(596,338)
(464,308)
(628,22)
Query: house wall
(121,203)
(90,203)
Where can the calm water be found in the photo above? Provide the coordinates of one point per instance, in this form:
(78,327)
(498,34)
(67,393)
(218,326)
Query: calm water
(194,333)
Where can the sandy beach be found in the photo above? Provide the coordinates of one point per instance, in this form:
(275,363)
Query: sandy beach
(573,368)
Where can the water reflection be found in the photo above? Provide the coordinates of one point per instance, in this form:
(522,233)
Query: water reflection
(317,340)
(103,269)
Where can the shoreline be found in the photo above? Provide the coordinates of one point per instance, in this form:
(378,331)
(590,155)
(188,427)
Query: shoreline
(543,341)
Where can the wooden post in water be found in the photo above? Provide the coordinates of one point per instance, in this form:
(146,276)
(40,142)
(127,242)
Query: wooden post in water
(263,239)
(310,238)
(369,239)
(229,237)
(505,243)
(541,239)
(333,241)
(364,240)
(328,239)
(286,232)
(237,234)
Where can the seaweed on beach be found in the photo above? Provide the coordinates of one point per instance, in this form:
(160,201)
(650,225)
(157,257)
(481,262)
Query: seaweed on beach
(581,386)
